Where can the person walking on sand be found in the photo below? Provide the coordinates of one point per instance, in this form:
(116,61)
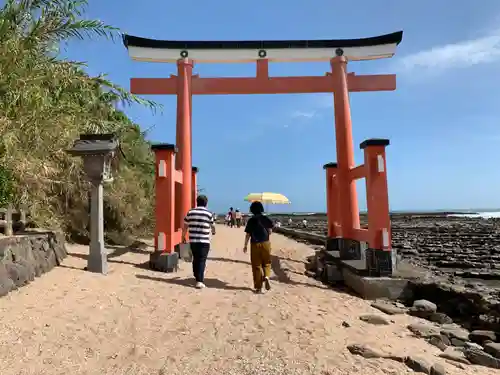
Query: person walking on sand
(238,218)
(199,221)
(232,217)
(258,231)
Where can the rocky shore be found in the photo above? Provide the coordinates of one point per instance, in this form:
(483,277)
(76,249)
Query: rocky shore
(459,347)
(468,248)
(451,261)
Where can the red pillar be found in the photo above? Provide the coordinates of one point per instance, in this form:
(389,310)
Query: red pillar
(194,185)
(164,199)
(183,136)
(380,260)
(348,202)
(377,197)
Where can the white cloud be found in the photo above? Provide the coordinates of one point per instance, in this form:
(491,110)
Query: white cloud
(455,55)
(303,114)
(312,108)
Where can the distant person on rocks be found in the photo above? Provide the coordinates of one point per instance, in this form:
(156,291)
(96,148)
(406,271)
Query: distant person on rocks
(258,231)
(290,221)
(237,215)
(199,221)
(278,224)
(304,223)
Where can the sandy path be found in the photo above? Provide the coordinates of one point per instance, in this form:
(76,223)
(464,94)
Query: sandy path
(135,321)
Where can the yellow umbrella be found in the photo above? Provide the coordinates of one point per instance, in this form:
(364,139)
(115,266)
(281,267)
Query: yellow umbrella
(267,198)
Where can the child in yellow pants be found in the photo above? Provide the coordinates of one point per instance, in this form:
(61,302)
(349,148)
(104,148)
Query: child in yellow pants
(258,230)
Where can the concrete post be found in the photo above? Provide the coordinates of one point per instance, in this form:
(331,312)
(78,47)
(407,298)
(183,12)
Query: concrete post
(97,261)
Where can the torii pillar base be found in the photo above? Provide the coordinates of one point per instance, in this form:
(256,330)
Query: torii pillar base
(164,262)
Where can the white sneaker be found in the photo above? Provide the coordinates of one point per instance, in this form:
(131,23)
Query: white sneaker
(200,285)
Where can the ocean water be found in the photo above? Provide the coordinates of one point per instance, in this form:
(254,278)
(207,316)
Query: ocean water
(472,213)
(484,215)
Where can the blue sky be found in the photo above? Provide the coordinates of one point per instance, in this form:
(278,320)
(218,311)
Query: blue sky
(443,119)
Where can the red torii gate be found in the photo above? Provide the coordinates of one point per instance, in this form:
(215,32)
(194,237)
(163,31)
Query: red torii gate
(344,233)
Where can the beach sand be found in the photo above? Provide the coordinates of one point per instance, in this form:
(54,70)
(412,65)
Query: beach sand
(136,321)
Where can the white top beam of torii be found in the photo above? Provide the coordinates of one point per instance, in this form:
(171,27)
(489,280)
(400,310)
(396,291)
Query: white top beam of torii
(378,47)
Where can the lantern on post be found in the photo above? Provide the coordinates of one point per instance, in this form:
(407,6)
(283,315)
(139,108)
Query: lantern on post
(97,152)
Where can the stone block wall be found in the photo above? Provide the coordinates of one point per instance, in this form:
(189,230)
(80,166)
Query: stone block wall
(26,256)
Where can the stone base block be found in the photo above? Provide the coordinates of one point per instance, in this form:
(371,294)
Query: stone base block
(333,273)
(379,263)
(164,262)
(333,244)
(350,249)
(375,287)
(98,262)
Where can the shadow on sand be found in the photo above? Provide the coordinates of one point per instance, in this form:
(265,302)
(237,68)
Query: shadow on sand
(280,273)
(190,282)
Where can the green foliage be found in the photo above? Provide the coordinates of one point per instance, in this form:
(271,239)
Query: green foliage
(6,187)
(45,103)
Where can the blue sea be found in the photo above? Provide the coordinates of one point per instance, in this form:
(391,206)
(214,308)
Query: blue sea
(472,213)
(484,215)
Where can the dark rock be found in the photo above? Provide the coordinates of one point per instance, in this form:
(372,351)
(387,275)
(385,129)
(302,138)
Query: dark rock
(492,348)
(423,330)
(437,369)
(458,342)
(438,341)
(479,357)
(364,351)
(418,364)
(456,333)
(424,305)
(473,345)
(440,318)
(369,353)
(388,308)
(375,319)
(413,311)
(345,325)
(454,354)
(480,336)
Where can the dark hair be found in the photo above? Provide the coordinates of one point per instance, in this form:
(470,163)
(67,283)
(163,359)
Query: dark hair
(256,208)
(201,201)
(230,208)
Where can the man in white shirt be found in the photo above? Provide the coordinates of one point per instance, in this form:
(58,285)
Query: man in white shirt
(199,222)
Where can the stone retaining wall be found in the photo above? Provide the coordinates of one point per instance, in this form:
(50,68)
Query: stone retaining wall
(26,256)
